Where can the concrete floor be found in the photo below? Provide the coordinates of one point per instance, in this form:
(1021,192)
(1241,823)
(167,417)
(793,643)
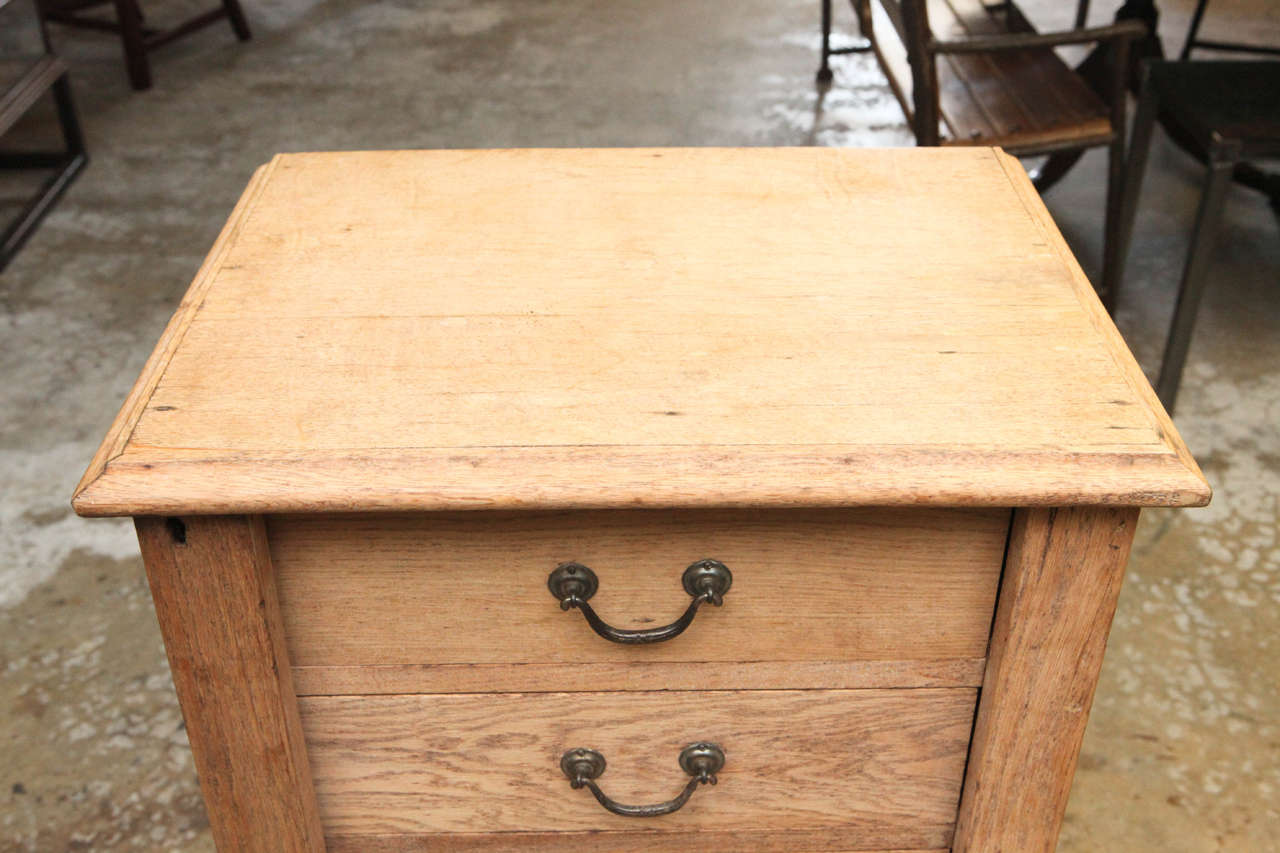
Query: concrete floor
(1183,749)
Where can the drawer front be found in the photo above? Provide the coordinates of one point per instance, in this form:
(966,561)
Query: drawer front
(813,770)
(459,602)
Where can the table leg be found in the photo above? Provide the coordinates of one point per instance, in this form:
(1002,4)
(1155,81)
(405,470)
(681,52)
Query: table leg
(1062,578)
(215,596)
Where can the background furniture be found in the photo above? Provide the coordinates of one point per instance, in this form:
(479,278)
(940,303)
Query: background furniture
(28,70)
(1231,110)
(967,73)
(487,389)
(137,38)
(1247,174)
(1194,41)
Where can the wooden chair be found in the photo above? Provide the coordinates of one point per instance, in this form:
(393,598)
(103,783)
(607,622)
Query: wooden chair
(968,73)
(27,72)
(1231,112)
(137,37)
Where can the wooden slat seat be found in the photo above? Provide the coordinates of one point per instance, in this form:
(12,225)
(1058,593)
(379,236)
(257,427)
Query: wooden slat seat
(1017,99)
(1022,100)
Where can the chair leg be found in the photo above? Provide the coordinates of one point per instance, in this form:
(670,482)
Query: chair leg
(72,135)
(238,22)
(824,70)
(129,18)
(862,8)
(69,165)
(918,40)
(1196,17)
(1082,14)
(1191,289)
(1111,224)
(1119,57)
(1139,148)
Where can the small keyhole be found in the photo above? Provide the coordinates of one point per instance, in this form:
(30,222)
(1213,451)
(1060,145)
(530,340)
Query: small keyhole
(177,530)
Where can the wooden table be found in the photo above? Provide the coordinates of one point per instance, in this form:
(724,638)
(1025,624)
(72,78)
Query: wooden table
(415,401)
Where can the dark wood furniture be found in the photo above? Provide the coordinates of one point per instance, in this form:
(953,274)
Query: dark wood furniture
(971,73)
(29,70)
(1194,41)
(137,38)
(1231,110)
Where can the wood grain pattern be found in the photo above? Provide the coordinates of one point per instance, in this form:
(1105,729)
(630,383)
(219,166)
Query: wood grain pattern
(1062,579)
(215,598)
(1107,331)
(813,586)
(883,767)
(587,842)
(126,419)
(460,330)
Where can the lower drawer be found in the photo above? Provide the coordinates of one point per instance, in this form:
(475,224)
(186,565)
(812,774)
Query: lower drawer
(580,843)
(812,770)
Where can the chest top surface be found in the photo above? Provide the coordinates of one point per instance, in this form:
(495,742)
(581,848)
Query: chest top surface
(614,328)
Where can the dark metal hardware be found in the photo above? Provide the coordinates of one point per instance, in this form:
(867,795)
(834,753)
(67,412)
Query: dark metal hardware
(573,584)
(702,761)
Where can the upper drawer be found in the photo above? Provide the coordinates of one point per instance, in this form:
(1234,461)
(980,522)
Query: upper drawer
(459,601)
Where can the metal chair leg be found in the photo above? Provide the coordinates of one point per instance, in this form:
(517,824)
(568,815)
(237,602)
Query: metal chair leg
(1191,289)
(1082,14)
(1111,223)
(1196,17)
(824,75)
(72,135)
(1135,170)
(129,18)
(238,22)
(1115,171)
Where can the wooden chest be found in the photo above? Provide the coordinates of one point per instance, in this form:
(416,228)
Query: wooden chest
(510,500)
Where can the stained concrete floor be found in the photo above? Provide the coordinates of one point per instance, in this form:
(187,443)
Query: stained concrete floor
(1183,749)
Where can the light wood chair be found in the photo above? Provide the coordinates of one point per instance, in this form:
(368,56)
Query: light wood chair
(138,39)
(969,73)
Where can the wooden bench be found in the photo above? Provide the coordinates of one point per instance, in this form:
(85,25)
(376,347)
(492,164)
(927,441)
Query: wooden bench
(969,73)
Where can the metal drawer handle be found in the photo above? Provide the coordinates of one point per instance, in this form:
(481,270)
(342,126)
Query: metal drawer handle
(573,583)
(702,761)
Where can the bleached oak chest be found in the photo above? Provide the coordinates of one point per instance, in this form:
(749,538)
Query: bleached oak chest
(504,500)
